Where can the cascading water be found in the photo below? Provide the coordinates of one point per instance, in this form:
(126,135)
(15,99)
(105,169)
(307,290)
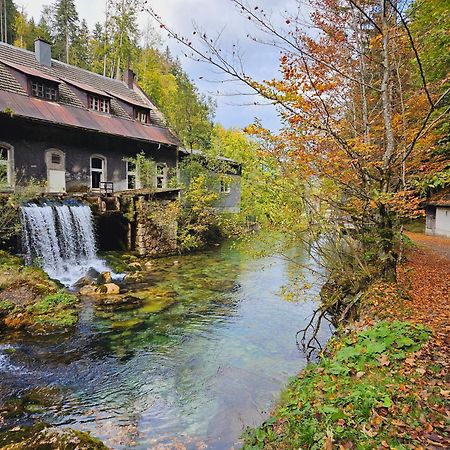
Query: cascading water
(60,238)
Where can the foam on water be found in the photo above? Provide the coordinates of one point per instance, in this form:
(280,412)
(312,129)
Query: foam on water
(60,238)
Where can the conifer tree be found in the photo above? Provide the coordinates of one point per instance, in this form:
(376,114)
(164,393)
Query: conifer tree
(66,29)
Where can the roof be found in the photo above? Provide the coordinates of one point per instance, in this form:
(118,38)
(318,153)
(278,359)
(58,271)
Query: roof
(31,71)
(70,110)
(441,198)
(200,153)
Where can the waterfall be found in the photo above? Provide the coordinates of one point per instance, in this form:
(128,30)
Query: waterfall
(60,238)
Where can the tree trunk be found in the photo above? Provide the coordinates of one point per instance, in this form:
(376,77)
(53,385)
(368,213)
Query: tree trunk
(386,97)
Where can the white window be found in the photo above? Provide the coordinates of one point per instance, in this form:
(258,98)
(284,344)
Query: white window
(98,171)
(161,176)
(6,166)
(141,115)
(98,103)
(131,175)
(225,187)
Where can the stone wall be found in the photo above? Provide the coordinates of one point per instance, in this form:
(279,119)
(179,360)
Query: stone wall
(156,227)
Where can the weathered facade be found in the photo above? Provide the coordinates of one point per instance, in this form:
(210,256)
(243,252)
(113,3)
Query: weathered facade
(438,214)
(230,190)
(73,129)
(78,133)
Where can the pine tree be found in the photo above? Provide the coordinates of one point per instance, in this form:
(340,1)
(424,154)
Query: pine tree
(8,12)
(66,29)
(80,47)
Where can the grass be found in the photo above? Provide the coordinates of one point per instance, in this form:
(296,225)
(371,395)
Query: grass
(55,310)
(353,398)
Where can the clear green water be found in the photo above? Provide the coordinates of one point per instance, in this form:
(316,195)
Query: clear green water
(206,356)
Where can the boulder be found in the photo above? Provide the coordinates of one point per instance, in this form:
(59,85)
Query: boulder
(90,277)
(51,438)
(104,277)
(83,281)
(135,266)
(108,289)
(121,302)
(92,273)
(89,289)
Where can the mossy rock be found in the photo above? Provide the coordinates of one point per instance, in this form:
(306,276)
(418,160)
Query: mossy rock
(54,312)
(40,437)
(120,302)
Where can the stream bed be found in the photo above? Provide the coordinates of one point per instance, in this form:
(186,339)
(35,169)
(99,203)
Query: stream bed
(205,358)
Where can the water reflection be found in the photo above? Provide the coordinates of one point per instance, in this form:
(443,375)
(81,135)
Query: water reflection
(205,355)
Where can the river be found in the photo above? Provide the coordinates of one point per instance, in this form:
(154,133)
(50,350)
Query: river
(206,356)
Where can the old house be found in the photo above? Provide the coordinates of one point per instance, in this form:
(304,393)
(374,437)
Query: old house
(228,188)
(78,133)
(76,129)
(438,214)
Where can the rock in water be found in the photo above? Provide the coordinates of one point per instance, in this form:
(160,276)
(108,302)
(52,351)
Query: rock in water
(89,289)
(104,277)
(108,289)
(55,439)
(122,302)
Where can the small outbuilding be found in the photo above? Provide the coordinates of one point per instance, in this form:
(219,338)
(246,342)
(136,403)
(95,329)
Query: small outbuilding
(438,214)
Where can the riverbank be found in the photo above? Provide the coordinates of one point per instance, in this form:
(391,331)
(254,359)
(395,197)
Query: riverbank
(383,383)
(30,301)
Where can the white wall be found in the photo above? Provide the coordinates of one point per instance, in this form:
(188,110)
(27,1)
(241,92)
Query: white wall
(442,221)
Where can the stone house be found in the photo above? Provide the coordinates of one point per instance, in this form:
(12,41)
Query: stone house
(75,129)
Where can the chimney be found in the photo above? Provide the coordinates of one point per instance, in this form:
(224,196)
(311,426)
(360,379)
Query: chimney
(128,78)
(43,52)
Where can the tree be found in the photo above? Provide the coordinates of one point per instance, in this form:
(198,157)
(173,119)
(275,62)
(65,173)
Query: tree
(353,115)
(8,13)
(81,47)
(124,34)
(65,29)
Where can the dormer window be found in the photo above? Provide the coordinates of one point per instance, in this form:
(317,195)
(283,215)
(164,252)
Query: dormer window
(98,103)
(142,115)
(44,89)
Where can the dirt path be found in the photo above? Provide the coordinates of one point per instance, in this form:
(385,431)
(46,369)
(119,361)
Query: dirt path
(437,244)
(427,278)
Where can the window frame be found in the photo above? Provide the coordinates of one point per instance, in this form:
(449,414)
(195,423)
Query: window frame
(142,112)
(225,187)
(162,177)
(99,103)
(132,173)
(45,86)
(102,171)
(9,163)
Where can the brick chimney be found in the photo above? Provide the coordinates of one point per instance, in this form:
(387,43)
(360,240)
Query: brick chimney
(43,52)
(128,78)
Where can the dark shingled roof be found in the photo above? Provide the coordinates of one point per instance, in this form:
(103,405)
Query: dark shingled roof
(73,112)
(441,198)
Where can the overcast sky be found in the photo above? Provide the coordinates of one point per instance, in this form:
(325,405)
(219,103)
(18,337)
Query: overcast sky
(213,16)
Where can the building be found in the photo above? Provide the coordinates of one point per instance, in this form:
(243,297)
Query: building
(74,129)
(228,188)
(438,214)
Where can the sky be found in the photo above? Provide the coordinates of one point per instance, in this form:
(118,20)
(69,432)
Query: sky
(212,16)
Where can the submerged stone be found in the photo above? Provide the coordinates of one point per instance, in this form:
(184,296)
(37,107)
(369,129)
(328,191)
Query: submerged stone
(122,302)
(40,437)
(131,323)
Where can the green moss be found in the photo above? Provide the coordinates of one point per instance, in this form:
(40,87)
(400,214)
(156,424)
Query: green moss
(52,302)
(340,399)
(6,306)
(41,436)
